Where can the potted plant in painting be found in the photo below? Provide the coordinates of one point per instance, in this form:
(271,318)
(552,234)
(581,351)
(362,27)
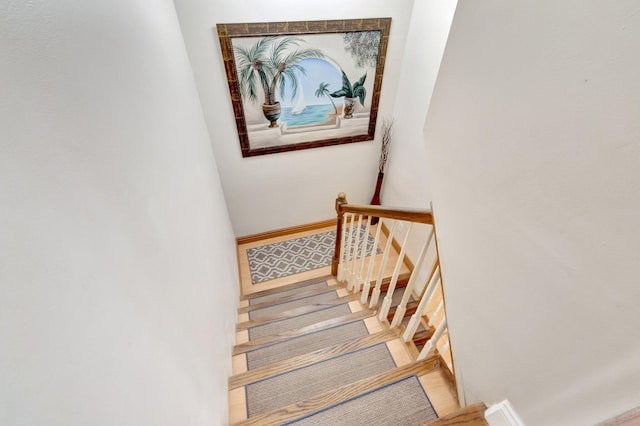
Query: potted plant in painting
(350,93)
(271,63)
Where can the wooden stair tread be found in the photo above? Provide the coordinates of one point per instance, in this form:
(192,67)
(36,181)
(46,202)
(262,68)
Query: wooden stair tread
(291,298)
(403,280)
(251,376)
(351,390)
(297,311)
(472,415)
(279,289)
(410,310)
(267,340)
(423,336)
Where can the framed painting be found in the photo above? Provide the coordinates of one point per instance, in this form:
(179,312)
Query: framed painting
(300,85)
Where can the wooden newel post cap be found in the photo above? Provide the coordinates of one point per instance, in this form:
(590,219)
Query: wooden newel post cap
(342,199)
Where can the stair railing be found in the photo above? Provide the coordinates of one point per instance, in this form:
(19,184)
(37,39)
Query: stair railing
(356,261)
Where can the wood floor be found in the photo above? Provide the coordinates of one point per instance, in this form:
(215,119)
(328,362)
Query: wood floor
(630,418)
(436,381)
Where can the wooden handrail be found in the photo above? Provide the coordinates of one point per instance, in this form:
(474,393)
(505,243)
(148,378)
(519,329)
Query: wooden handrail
(398,213)
(408,214)
(348,251)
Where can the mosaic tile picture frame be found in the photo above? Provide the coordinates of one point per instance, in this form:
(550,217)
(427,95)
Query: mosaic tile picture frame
(307,84)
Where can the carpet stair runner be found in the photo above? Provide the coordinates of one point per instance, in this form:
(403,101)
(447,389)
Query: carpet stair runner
(313,355)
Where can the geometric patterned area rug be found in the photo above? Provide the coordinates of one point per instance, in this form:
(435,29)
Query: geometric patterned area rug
(295,256)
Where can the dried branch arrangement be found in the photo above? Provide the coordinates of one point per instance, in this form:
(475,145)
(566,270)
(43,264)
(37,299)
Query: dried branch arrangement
(387,131)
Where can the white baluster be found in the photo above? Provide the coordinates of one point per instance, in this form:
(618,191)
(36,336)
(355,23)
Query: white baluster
(387,249)
(408,291)
(341,264)
(354,257)
(351,250)
(363,255)
(433,316)
(386,303)
(445,348)
(372,260)
(431,344)
(349,255)
(430,296)
(422,306)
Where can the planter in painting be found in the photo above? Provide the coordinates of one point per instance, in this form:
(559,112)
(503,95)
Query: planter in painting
(271,113)
(349,104)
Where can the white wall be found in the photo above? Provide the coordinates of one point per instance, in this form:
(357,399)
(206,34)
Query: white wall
(406,182)
(279,190)
(532,140)
(117,265)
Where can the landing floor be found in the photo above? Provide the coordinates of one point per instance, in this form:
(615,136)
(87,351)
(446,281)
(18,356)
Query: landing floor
(247,287)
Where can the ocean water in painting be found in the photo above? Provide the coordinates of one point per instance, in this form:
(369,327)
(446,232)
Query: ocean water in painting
(306,107)
(312,115)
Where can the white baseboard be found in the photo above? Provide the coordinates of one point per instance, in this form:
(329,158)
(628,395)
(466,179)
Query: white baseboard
(502,414)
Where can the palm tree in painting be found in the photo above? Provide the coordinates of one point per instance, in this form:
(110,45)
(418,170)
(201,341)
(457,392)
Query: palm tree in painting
(272,63)
(324,91)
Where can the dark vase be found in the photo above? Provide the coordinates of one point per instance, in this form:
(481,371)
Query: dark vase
(271,113)
(375,200)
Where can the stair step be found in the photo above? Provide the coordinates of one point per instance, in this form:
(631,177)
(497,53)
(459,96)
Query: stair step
(402,282)
(323,325)
(296,311)
(297,322)
(285,288)
(291,295)
(472,415)
(303,360)
(317,378)
(282,350)
(342,393)
(291,299)
(274,295)
(423,336)
(411,309)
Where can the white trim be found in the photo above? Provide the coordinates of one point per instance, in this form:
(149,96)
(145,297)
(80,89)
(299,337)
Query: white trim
(502,414)
(462,400)
(457,366)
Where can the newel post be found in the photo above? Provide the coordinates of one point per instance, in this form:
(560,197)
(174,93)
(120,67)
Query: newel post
(342,199)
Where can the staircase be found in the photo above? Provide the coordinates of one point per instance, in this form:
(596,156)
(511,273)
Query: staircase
(327,350)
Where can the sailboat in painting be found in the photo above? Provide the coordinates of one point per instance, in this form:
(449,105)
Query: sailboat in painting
(301,105)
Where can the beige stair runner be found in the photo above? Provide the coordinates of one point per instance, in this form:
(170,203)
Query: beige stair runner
(285,310)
